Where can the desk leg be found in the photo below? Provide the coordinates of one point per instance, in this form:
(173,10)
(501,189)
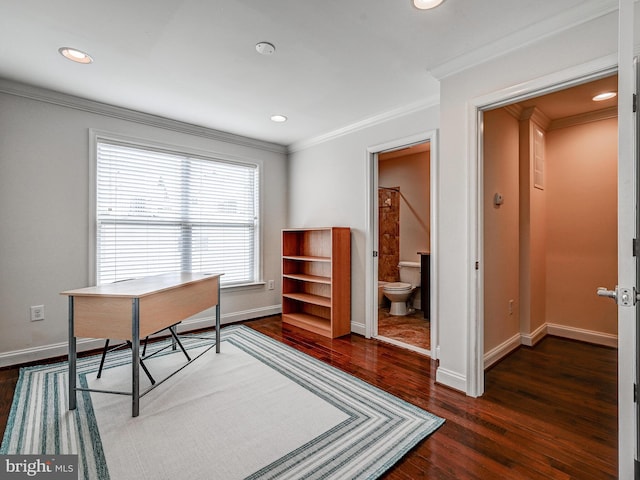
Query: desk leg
(218,320)
(135,357)
(72,358)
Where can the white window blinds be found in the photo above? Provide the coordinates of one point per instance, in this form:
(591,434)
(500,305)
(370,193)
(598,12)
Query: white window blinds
(161,212)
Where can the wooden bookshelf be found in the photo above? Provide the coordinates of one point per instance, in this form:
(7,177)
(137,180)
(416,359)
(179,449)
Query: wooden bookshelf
(316,279)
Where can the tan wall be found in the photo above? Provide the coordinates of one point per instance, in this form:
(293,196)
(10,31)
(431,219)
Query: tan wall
(501,242)
(549,248)
(533,209)
(582,225)
(411,174)
(538,271)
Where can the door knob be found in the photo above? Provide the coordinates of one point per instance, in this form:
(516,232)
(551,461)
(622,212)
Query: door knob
(603,292)
(624,297)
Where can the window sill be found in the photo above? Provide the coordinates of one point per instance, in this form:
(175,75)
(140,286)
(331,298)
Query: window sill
(243,286)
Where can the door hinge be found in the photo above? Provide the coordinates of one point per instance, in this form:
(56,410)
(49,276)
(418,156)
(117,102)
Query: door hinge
(375,254)
(635,393)
(636,246)
(477,265)
(635,103)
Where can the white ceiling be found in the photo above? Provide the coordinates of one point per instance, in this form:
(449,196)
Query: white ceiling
(337,62)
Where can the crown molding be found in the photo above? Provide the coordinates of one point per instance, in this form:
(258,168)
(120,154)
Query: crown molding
(366,123)
(532,113)
(69,101)
(602,114)
(524,37)
(535,115)
(514,110)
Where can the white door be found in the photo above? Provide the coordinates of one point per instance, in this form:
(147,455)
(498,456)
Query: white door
(628,273)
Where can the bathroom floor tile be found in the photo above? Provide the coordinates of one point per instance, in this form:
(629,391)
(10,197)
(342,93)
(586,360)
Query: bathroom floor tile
(412,329)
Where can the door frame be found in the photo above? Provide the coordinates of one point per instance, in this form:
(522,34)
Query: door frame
(628,229)
(371,262)
(540,86)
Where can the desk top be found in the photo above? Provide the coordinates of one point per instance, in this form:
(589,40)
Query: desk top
(141,287)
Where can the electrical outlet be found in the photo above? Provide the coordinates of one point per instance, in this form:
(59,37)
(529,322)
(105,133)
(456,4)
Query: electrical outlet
(271,285)
(37,313)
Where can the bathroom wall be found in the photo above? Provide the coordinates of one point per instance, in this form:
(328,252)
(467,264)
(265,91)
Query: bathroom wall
(410,173)
(564,233)
(532,218)
(501,228)
(389,235)
(581,227)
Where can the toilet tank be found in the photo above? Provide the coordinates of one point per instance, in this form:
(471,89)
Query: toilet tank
(410,273)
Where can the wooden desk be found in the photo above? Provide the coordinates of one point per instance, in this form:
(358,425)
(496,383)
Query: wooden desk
(134,309)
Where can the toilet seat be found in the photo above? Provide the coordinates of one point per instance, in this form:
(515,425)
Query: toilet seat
(397,286)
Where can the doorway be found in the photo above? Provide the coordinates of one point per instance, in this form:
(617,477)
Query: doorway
(549,181)
(402,212)
(403,246)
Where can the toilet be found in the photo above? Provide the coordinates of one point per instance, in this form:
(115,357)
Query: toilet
(400,292)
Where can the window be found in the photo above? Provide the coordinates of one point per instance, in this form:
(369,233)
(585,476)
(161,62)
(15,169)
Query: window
(160,211)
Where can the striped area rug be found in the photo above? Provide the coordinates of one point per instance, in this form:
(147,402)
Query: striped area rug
(259,409)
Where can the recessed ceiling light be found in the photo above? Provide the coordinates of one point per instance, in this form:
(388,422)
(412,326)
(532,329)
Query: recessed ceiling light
(426,4)
(278,118)
(75,55)
(265,48)
(604,96)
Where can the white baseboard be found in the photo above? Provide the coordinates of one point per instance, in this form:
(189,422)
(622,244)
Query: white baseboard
(451,379)
(501,351)
(44,352)
(358,328)
(598,338)
(563,331)
(210,321)
(530,339)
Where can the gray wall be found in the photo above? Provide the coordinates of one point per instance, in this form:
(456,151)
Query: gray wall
(554,59)
(328,180)
(328,187)
(44,211)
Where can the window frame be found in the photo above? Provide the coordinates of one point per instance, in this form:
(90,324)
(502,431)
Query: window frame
(96,136)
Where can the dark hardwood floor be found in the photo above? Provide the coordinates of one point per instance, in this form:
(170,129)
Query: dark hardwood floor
(549,412)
